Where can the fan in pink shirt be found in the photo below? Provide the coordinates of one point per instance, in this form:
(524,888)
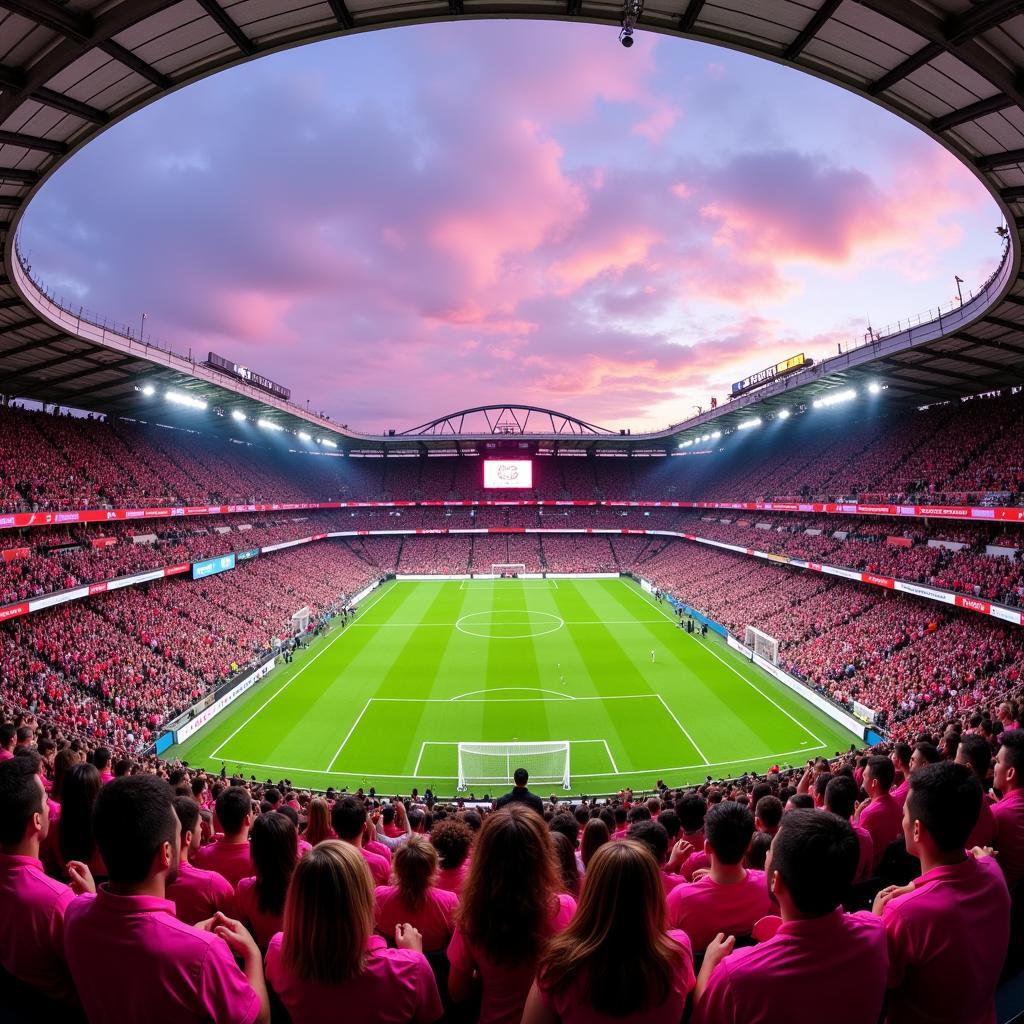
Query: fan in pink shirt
(880,814)
(729,898)
(131,959)
(615,961)
(948,930)
(792,977)
(228,854)
(841,799)
(8,739)
(260,899)
(32,924)
(195,893)
(415,899)
(352,825)
(510,907)
(974,752)
(901,757)
(1009,811)
(328,965)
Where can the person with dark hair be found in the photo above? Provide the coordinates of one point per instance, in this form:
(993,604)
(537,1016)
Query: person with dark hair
(901,756)
(974,752)
(948,930)
(327,965)
(452,838)
(414,898)
(8,739)
(101,759)
(520,794)
(595,835)
(229,853)
(927,753)
(729,897)
(273,843)
(800,802)
(71,835)
(653,835)
(32,924)
(768,814)
(616,961)
(791,978)
(1009,811)
(691,810)
(195,893)
(568,868)
(879,814)
(841,800)
(348,816)
(510,908)
(131,959)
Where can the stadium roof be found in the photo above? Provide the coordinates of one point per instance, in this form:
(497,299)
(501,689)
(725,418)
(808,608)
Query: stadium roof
(955,68)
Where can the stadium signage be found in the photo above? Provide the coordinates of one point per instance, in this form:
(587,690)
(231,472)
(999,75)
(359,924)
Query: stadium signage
(212,566)
(222,702)
(243,373)
(242,556)
(770,373)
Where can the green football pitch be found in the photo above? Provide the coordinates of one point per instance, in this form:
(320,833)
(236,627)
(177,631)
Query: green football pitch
(429,664)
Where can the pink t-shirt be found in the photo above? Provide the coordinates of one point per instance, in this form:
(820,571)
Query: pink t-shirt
(380,849)
(947,940)
(32,926)
(703,909)
(453,879)
(396,987)
(505,985)
(984,831)
(380,869)
(232,860)
(866,860)
(133,960)
(433,919)
(693,863)
(573,1005)
(263,926)
(1009,815)
(198,894)
(883,818)
(899,793)
(830,968)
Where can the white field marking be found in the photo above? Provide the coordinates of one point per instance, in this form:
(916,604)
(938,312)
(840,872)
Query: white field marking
(611,760)
(715,654)
(278,693)
(416,767)
(544,627)
(455,743)
(550,584)
(672,714)
(453,625)
(562,696)
(597,775)
(349,733)
(515,689)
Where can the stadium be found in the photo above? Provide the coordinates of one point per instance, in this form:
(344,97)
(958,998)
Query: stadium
(510,714)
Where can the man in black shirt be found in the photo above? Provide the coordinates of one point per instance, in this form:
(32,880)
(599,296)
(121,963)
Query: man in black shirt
(521,795)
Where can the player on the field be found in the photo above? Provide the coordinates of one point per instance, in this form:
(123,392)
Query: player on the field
(652,655)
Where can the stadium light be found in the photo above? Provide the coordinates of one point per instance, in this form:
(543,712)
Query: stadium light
(177,398)
(685,444)
(303,436)
(327,443)
(715,435)
(237,414)
(875,388)
(149,391)
(748,424)
(836,398)
(269,425)
(783,414)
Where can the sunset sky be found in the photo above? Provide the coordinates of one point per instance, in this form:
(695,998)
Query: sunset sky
(404,223)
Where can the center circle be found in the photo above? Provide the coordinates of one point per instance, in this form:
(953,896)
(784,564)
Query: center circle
(509,625)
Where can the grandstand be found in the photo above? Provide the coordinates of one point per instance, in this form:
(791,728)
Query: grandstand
(229,625)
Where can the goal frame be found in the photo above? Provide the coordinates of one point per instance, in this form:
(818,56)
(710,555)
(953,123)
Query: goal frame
(500,569)
(762,644)
(513,754)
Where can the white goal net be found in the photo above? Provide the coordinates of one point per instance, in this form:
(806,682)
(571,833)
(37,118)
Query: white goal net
(300,620)
(501,569)
(486,764)
(763,644)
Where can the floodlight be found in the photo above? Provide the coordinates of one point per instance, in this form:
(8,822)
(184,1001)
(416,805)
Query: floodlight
(177,398)
(715,435)
(782,414)
(327,443)
(269,425)
(875,388)
(149,390)
(303,436)
(835,398)
(237,414)
(747,424)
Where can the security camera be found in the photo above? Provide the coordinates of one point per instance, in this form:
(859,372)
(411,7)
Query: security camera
(626,37)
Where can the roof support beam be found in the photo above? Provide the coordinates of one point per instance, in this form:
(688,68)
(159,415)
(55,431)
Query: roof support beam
(341,13)
(980,19)
(1013,193)
(992,105)
(690,15)
(17,325)
(19,175)
(905,67)
(227,26)
(49,364)
(96,368)
(26,346)
(996,160)
(1007,324)
(76,108)
(125,56)
(32,142)
(817,22)
(67,23)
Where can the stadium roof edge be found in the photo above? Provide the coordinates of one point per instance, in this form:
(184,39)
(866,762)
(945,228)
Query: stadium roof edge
(950,67)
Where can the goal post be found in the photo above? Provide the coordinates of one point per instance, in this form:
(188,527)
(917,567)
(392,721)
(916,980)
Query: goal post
(483,764)
(762,643)
(503,570)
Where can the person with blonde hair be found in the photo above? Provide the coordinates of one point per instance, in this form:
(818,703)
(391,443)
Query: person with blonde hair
(616,961)
(318,822)
(414,897)
(327,965)
(510,908)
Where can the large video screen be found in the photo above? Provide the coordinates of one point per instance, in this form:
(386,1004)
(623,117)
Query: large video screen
(508,474)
